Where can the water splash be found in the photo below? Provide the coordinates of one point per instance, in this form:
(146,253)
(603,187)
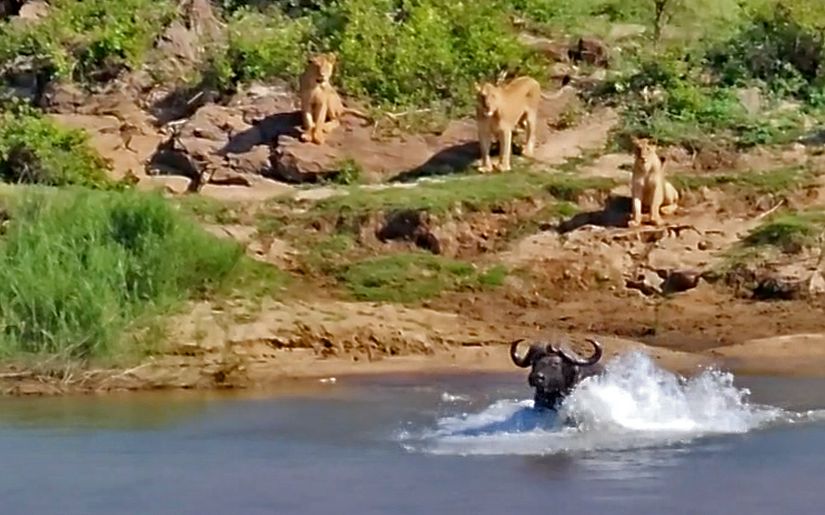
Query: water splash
(634,404)
(449,397)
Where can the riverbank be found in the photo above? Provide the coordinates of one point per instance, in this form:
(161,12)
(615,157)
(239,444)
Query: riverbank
(301,370)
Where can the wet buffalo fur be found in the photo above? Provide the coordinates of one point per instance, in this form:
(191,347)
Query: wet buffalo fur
(553,372)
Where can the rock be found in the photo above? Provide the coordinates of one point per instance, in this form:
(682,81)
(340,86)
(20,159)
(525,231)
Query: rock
(202,20)
(260,189)
(677,281)
(555,50)
(779,288)
(25,77)
(173,184)
(409,225)
(33,10)
(816,284)
(62,97)
(407,158)
(9,8)
(255,162)
(751,99)
(179,49)
(591,51)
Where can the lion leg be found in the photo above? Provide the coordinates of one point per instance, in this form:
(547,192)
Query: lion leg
(656,202)
(331,125)
(485,142)
(308,125)
(530,146)
(637,191)
(506,150)
(670,204)
(318,135)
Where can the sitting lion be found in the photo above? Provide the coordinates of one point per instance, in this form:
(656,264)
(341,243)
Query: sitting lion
(500,110)
(649,188)
(321,106)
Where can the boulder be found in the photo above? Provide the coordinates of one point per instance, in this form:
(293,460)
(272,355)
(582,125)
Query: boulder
(591,51)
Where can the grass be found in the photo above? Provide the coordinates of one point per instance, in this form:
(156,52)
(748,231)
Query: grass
(777,181)
(789,232)
(88,40)
(209,210)
(79,270)
(35,150)
(414,276)
(472,192)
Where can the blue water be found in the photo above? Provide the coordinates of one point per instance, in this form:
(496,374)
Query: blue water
(383,446)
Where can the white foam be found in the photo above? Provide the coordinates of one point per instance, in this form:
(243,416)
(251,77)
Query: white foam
(634,404)
(449,397)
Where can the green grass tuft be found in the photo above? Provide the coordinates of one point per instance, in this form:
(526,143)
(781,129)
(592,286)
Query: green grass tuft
(778,181)
(414,276)
(789,232)
(79,268)
(35,150)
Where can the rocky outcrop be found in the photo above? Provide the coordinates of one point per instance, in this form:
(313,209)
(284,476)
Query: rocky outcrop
(257,133)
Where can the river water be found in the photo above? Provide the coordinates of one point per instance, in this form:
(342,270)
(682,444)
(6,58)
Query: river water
(637,441)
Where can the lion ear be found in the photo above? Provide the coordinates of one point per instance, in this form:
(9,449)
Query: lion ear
(477,87)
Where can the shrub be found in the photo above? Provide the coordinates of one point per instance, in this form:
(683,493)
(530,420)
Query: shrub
(259,46)
(33,149)
(777,48)
(78,267)
(420,53)
(89,39)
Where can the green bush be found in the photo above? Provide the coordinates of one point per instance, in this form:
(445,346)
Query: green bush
(424,52)
(776,48)
(259,46)
(78,267)
(89,38)
(33,149)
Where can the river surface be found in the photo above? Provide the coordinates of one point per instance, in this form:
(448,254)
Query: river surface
(637,441)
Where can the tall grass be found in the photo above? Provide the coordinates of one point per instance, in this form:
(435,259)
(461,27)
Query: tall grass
(78,267)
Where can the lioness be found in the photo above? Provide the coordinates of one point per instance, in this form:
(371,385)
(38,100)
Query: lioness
(648,186)
(321,106)
(500,109)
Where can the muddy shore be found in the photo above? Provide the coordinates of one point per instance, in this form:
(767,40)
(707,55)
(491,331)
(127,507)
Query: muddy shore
(801,355)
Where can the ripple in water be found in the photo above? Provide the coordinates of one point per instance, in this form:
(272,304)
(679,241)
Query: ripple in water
(634,404)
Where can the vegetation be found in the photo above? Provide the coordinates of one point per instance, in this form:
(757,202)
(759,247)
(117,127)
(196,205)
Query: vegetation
(473,192)
(35,150)
(79,268)
(424,53)
(409,277)
(89,39)
(778,181)
(789,232)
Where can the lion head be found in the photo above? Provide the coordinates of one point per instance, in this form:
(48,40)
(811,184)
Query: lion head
(321,67)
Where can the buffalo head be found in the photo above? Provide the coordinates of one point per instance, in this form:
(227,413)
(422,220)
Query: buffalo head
(554,372)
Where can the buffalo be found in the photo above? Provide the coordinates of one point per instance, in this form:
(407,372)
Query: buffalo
(554,372)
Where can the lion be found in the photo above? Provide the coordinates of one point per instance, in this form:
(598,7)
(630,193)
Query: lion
(649,188)
(501,109)
(321,106)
